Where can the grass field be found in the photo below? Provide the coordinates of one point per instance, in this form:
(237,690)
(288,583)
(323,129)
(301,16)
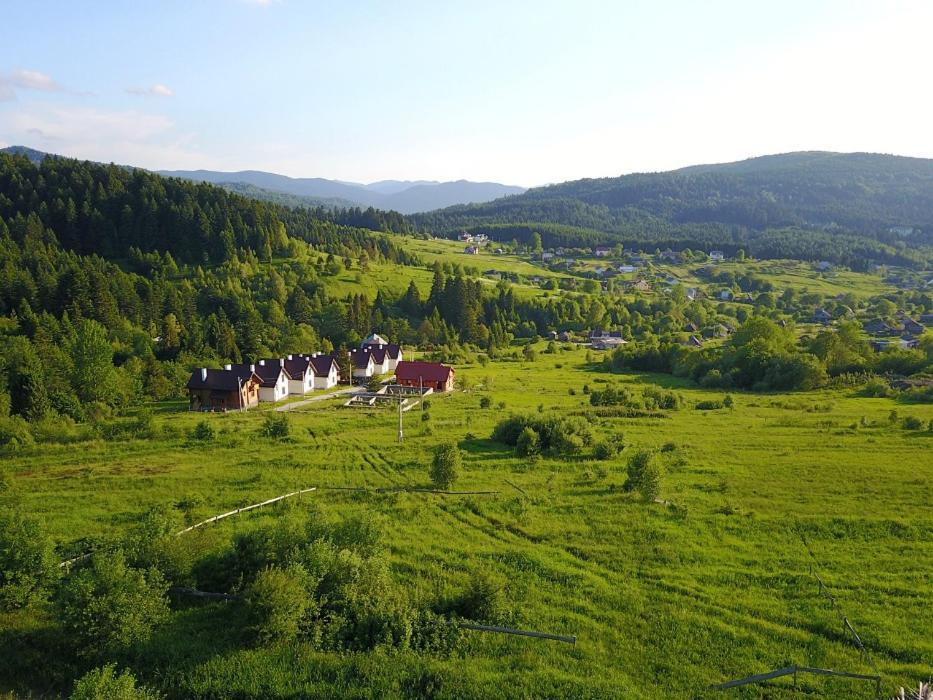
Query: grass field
(661,599)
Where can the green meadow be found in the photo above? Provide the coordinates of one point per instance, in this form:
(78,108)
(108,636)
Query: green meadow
(713,581)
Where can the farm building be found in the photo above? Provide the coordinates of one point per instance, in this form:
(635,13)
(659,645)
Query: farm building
(223,389)
(717,255)
(432,375)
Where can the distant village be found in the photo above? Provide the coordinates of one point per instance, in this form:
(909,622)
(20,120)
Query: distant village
(271,380)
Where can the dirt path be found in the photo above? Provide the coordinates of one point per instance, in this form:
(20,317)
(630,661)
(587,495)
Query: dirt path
(320,397)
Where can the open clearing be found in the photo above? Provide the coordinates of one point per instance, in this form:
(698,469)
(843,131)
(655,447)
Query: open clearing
(659,599)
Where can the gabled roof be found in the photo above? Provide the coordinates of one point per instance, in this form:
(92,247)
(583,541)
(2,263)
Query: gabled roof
(374,339)
(361,359)
(321,364)
(267,369)
(426,371)
(220,379)
(297,365)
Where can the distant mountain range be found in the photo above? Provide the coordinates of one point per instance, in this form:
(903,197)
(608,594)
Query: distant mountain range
(407,197)
(404,196)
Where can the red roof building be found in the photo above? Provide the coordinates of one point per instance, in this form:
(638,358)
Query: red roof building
(425,374)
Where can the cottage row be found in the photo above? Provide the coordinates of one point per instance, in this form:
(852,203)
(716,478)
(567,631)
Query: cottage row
(239,386)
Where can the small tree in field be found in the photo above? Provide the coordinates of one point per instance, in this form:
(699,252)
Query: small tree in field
(446,466)
(275,425)
(105,683)
(528,443)
(644,475)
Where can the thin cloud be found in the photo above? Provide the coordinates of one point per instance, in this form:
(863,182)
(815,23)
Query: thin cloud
(24,79)
(155,90)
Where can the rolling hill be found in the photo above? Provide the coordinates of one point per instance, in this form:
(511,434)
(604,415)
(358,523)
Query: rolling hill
(888,199)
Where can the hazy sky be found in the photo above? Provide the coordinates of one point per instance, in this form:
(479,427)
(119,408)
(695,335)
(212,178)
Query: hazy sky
(518,92)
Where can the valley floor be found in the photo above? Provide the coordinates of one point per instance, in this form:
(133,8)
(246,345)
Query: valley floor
(661,599)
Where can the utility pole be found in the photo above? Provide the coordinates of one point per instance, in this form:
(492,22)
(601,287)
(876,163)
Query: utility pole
(400,398)
(421,392)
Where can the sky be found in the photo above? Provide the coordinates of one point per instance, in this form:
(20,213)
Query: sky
(518,92)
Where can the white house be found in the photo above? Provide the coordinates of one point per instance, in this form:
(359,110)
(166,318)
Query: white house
(374,339)
(725,294)
(325,369)
(626,268)
(273,379)
(362,363)
(300,374)
(717,255)
(602,251)
(547,255)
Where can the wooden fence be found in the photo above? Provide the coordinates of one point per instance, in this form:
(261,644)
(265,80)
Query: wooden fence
(793,671)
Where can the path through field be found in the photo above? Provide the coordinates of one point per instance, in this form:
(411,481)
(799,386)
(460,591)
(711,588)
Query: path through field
(321,397)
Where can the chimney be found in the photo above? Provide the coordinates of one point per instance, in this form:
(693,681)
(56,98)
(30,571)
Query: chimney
(289,357)
(282,361)
(228,367)
(380,346)
(252,368)
(204,374)
(262,363)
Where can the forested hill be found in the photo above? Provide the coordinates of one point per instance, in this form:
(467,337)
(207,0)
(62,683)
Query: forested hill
(110,210)
(887,199)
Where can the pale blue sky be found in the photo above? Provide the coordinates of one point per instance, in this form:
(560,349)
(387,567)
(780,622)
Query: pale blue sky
(517,92)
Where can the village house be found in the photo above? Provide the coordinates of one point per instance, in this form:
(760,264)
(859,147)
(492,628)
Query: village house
(564,337)
(223,389)
(717,255)
(671,256)
(912,327)
(725,295)
(465,237)
(326,371)
(821,315)
(602,251)
(392,353)
(639,286)
(273,379)
(694,342)
(625,269)
(362,364)
(608,343)
(547,255)
(824,266)
(878,327)
(471,250)
(692,293)
(428,375)
(300,374)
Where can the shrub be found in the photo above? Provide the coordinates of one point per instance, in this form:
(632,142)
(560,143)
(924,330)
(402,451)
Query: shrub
(426,404)
(528,443)
(644,475)
(482,601)
(108,607)
(446,465)
(609,448)
(153,543)
(709,405)
(557,434)
(913,423)
(485,402)
(14,433)
(279,604)
(586,388)
(877,388)
(610,396)
(572,391)
(425,416)
(666,400)
(669,447)
(275,425)
(105,683)
(728,402)
(203,431)
(28,564)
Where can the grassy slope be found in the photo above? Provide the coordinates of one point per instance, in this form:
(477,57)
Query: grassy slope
(656,601)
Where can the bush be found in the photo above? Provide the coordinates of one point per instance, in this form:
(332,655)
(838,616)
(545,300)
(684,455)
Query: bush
(644,475)
(425,416)
(557,434)
(154,544)
(482,601)
(609,448)
(426,404)
(275,425)
(709,405)
(877,388)
(610,396)
(279,603)
(528,443)
(485,402)
(203,431)
(14,433)
(28,564)
(446,465)
(105,684)
(108,607)
(913,423)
